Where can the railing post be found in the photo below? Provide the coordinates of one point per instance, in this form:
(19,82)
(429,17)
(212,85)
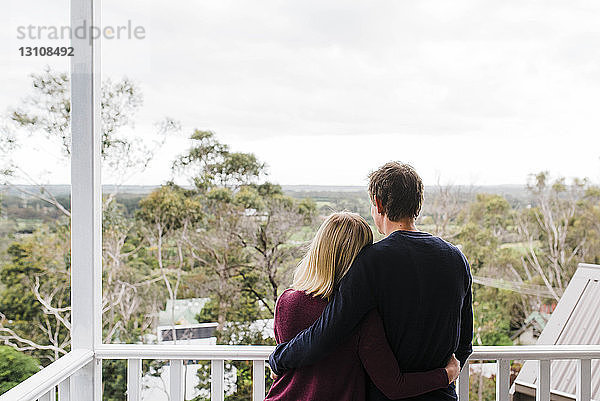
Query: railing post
(217,375)
(134,379)
(50,395)
(584,380)
(463,383)
(86,197)
(176,387)
(64,390)
(86,379)
(543,384)
(258,380)
(503,380)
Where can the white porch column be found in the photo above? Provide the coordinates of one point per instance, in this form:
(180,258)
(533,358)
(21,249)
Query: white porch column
(86,198)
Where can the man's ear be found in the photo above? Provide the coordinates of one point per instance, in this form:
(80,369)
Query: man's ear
(378,206)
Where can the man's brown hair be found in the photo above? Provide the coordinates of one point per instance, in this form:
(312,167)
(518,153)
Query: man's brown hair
(398,188)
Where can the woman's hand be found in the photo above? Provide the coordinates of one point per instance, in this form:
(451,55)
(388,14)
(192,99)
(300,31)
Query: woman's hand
(453,369)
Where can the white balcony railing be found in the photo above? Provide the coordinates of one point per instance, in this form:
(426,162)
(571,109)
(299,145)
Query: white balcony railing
(57,376)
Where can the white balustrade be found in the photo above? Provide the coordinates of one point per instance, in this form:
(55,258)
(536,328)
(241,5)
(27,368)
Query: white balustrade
(258,380)
(176,389)
(543,383)
(64,390)
(463,383)
(134,380)
(217,380)
(502,380)
(43,385)
(584,384)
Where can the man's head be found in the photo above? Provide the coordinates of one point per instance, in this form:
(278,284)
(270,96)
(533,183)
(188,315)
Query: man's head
(396,192)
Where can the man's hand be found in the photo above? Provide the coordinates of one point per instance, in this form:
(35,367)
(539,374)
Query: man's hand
(273,375)
(453,369)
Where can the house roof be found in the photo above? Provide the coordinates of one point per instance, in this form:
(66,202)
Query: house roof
(575,321)
(185,311)
(537,320)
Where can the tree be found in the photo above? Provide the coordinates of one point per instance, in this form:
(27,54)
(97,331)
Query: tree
(493,212)
(276,241)
(495,312)
(15,367)
(485,225)
(35,304)
(219,249)
(131,299)
(219,176)
(444,207)
(47,112)
(553,251)
(167,214)
(242,244)
(210,163)
(587,225)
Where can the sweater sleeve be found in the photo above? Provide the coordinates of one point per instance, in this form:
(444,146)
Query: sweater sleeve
(276,321)
(350,303)
(382,367)
(465,343)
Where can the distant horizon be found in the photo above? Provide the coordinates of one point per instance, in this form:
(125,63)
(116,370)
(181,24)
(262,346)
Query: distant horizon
(332,186)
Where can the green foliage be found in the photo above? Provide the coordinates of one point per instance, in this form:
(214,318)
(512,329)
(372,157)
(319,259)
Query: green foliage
(39,262)
(587,224)
(268,189)
(496,312)
(556,229)
(486,224)
(482,388)
(170,207)
(210,163)
(219,196)
(48,109)
(17,301)
(15,367)
(114,375)
(307,208)
(244,308)
(115,388)
(479,245)
(249,197)
(491,211)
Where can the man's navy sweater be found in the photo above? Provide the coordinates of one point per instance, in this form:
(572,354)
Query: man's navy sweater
(421,286)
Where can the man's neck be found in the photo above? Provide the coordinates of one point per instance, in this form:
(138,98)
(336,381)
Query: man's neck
(401,225)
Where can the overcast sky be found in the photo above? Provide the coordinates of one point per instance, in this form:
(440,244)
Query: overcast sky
(477,92)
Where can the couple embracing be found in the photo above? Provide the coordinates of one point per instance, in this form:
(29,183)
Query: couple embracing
(375,321)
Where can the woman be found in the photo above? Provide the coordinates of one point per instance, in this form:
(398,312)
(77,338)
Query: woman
(341,374)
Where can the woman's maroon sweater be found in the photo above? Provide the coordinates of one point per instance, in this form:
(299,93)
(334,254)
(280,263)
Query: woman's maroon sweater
(341,375)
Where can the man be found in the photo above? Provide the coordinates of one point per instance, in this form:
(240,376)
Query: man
(420,284)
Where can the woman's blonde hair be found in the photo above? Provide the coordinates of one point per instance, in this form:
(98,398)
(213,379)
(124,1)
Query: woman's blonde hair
(337,242)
